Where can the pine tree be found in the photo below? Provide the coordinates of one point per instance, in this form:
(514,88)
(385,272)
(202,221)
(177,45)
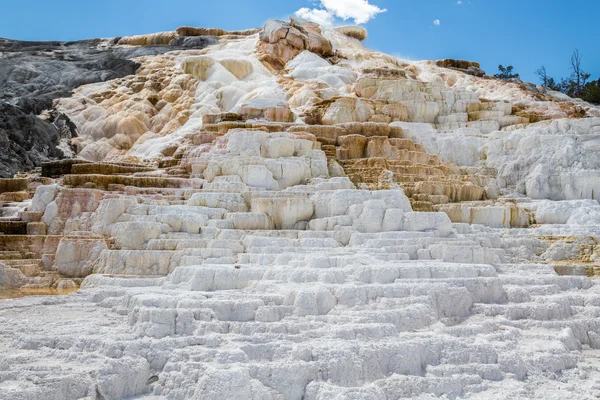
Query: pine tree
(591,92)
(506,73)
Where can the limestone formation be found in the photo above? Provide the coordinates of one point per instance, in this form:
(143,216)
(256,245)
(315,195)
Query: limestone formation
(356,32)
(281,213)
(468,67)
(287,40)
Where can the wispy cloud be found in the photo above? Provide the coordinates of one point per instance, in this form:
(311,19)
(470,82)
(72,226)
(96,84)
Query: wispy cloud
(437,22)
(361,11)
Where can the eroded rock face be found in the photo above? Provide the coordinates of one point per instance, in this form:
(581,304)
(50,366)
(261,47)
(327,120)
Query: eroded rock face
(35,73)
(285,214)
(26,140)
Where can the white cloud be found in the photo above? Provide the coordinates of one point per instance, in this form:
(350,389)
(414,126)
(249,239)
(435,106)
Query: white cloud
(361,11)
(437,22)
(321,17)
(459,2)
(358,10)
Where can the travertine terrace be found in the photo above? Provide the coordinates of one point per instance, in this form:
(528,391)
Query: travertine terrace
(281,213)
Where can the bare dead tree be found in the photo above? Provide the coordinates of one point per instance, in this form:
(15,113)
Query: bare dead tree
(576,67)
(579,78)
(543,75)
(576,85)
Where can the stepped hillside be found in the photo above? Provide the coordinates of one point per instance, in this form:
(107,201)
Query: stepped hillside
(281,213)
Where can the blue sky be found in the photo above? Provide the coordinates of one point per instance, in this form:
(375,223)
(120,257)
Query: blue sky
(523,33)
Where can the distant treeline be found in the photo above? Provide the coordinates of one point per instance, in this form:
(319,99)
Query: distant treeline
(577,85)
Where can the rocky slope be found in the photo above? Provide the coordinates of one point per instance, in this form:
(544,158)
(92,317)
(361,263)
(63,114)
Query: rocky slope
(33,74)
(282,213)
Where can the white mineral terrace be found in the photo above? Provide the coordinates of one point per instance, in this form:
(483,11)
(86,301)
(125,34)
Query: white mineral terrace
(286,215)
